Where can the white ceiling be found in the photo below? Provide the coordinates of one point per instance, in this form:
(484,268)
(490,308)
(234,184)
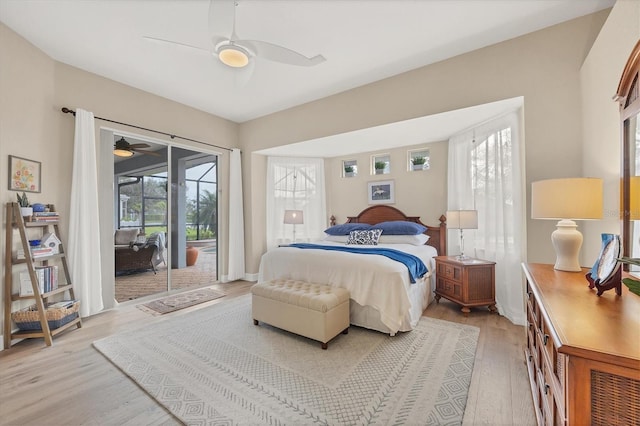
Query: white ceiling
(362,40)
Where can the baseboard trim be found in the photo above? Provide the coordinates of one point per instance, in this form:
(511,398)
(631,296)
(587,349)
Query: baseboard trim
(247,277)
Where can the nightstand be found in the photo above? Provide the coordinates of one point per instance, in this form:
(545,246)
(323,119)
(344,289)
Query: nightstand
(469,282)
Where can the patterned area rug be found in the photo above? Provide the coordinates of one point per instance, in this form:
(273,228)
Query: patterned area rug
(180,301)
(213,366)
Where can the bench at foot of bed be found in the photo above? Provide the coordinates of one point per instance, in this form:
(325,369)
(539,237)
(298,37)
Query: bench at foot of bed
(317,311)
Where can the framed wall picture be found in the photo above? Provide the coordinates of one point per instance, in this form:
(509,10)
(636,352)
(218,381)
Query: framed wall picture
(381,192)
(24,175)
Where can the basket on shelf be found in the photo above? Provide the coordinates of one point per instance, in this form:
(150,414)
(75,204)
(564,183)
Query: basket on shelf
(28,319)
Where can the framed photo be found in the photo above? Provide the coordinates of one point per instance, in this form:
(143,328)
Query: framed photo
(24,175)
(381,192)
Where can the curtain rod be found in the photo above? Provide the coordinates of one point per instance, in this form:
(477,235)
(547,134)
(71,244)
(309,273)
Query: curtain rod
(69,111)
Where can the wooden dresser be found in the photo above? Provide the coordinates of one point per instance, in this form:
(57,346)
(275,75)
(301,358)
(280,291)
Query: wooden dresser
(583,351)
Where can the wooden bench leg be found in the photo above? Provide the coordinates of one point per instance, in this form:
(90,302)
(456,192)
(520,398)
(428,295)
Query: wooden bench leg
(324,346)
(345,331)
(255,322)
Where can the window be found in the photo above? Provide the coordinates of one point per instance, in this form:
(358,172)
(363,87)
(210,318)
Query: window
(418,160)
(485,174)
(295,184)
(380,164)
(349,168)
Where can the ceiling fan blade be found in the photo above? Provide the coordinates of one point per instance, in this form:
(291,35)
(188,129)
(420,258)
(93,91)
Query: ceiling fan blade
(221,17)
(146,152)
(276,53)
(139,145)
(175,43)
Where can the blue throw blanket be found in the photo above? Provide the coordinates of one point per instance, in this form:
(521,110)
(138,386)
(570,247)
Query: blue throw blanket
(413,263)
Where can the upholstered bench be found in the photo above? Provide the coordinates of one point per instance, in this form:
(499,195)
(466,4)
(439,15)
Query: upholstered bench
(316,311)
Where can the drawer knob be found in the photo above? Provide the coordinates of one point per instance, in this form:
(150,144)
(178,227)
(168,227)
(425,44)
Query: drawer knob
(545,339)
(546,388)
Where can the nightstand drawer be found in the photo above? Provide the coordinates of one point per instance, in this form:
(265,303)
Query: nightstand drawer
(450,288)
(450,272)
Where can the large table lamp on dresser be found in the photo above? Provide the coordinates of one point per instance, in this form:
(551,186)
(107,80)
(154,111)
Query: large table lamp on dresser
(567,200)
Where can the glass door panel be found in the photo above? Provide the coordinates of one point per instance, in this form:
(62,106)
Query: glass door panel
(140,182)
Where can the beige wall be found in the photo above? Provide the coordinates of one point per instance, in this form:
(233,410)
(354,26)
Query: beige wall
(422,193)
(599,78)
(34,87)
(544,67)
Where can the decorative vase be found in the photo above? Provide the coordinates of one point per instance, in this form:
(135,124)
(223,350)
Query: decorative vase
(417,167)
(379,171)
(26,211)
(192,255)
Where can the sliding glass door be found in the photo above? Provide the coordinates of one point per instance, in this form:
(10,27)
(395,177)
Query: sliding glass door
(165,217)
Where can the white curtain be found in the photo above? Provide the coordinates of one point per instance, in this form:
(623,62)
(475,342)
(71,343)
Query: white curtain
(236,218)
(486,174)
(295,184)
(84,231)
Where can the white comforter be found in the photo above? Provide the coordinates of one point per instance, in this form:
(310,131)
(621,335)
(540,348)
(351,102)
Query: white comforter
(373,280)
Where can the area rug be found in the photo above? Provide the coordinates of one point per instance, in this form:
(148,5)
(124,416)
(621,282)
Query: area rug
(213,366)
(180,301)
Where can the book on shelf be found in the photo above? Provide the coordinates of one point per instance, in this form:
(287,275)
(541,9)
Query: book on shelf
(47,280)
(45,217)
(41,251)
(62,304)
(36,252)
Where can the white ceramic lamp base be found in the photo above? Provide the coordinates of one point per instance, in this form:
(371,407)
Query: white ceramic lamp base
(567,241)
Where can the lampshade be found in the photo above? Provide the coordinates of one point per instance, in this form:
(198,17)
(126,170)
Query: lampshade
(462,219)
(122,152)
(570,198)
(566,199)
(293,217)
(634,198)
(233,56)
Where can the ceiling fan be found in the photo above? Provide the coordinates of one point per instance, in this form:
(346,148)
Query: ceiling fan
(122,148)
(238,53)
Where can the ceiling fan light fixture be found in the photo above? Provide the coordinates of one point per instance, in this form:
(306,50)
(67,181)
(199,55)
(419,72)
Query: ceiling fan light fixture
(122,152)
(233,56)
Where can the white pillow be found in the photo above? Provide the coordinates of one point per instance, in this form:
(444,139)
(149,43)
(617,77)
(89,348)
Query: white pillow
(337,238)
(416,240)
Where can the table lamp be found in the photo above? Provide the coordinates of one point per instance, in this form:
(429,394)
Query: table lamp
(567,200)
(293,217)
(462,219)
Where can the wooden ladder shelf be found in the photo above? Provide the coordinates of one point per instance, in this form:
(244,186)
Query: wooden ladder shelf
(15,222)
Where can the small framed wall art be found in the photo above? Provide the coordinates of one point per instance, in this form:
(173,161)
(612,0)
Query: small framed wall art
(381,192)
(24,175)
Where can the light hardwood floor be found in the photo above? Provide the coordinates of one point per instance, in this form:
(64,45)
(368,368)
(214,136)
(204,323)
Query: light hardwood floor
(70,383)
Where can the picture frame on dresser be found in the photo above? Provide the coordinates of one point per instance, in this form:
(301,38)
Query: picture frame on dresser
(606,273)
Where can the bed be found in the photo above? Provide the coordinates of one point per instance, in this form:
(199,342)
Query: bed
(383,297)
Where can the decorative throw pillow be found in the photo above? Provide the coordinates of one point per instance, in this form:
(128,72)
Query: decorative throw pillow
(401,227)
(346,228)
(369,237)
